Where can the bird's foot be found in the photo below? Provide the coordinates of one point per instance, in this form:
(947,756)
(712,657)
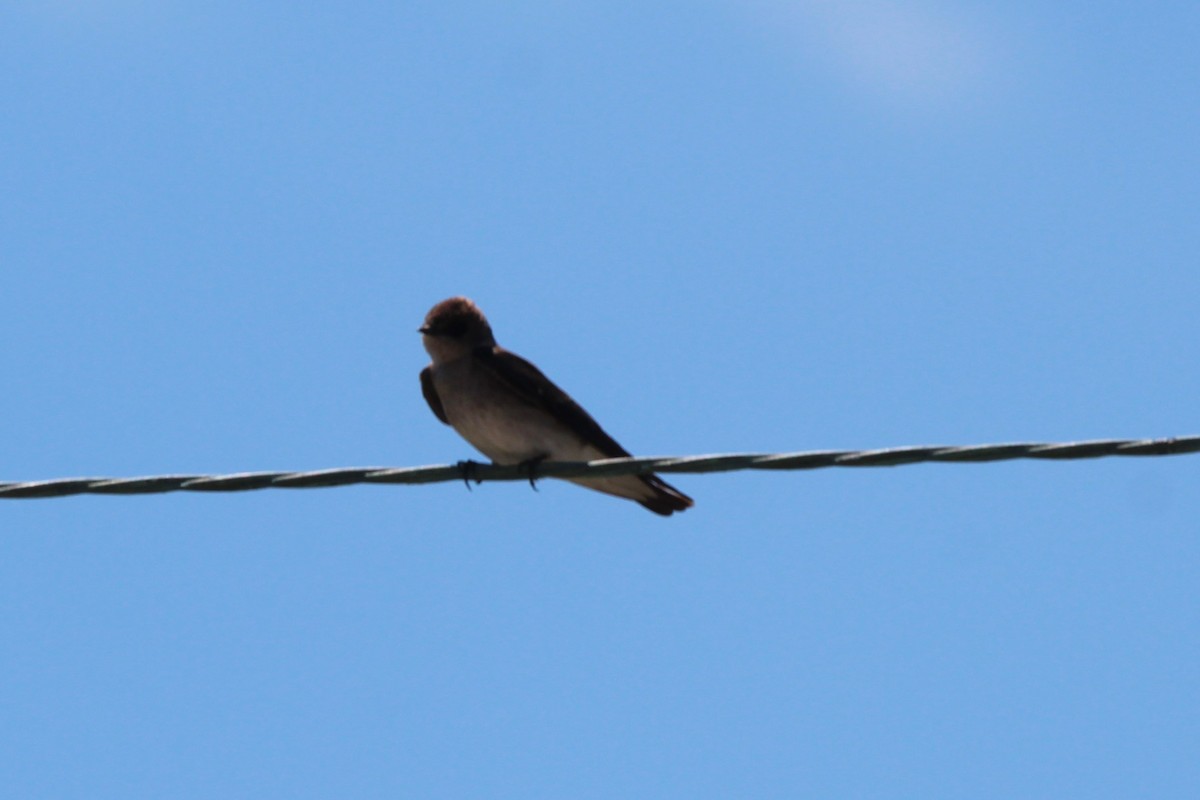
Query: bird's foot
(529,467)
(467,470)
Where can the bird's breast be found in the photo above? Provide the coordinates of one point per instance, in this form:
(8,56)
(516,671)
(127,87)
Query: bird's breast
(498,422)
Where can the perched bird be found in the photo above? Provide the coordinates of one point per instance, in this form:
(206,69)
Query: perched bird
(512,413)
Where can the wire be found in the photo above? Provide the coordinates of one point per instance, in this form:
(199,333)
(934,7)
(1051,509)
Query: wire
(817,459)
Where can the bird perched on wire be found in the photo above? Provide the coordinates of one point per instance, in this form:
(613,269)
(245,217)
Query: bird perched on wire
(512,413)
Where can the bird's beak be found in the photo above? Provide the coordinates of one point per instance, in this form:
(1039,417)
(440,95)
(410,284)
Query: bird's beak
(423,329)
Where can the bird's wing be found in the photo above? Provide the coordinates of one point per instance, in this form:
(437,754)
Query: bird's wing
(431,395)
(528,382)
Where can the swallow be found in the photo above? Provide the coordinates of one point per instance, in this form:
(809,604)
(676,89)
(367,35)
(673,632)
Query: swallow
(509,411)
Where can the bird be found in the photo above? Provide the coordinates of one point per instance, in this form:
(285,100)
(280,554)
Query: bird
(512,413)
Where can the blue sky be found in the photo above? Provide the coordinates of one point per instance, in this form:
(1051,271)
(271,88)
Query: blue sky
(721,226)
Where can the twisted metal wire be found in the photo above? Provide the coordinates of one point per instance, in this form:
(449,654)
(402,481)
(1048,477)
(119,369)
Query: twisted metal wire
(817,459)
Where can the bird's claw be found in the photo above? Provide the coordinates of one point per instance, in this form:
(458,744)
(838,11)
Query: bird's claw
(467,470)
(530,469)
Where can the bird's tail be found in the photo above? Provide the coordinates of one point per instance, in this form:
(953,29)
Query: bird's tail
(666,499)
(650,490)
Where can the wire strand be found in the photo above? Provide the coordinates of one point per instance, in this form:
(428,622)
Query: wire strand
(817,459)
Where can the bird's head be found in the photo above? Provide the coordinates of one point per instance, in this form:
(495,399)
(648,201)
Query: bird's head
(454,328)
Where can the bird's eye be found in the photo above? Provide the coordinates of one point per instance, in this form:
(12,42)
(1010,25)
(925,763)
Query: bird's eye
(454,328)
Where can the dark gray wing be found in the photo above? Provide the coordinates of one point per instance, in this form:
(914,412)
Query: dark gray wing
(528,382)
(431,395)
